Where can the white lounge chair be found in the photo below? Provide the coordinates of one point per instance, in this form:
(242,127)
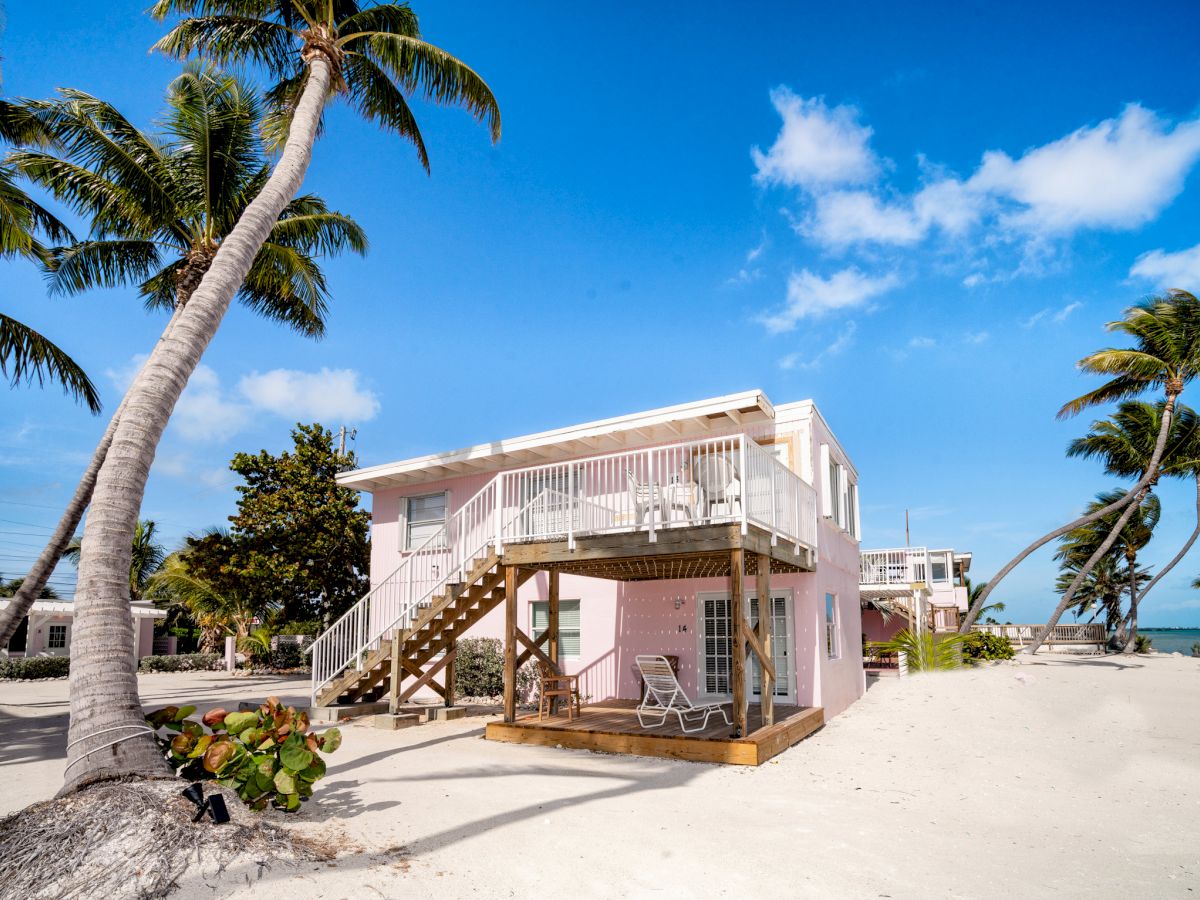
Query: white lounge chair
(665,696)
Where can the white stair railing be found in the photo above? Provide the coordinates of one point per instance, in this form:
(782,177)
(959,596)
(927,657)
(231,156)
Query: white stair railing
(394,604)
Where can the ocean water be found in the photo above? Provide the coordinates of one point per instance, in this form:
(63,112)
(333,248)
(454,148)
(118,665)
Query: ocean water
(1170,640)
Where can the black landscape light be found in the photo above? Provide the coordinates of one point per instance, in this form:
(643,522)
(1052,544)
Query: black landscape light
(213,805)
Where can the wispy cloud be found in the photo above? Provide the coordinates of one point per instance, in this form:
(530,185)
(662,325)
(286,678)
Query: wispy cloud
(1055,316)
(811,296)
(811,361)
(1180,269)
(922,343)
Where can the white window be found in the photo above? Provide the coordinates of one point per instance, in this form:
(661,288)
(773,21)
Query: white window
(56,637)
(568,625)
(424,517)
(831,631)
(839,496)
(852,510)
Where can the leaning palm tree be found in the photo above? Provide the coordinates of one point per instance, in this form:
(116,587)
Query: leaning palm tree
(160,206)
(147,559)
(1127,443)
(1166,356)
(1102,592)
(1132,535)
(374,57)
(25,354)
(973,592)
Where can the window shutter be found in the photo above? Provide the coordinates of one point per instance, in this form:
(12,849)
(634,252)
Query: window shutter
(826,487)
(402,525)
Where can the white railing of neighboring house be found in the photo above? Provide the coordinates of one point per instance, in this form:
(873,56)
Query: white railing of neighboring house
(1069,633)
(729,480)
(902,566)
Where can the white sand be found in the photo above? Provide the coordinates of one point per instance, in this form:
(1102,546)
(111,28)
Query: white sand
(1049,778)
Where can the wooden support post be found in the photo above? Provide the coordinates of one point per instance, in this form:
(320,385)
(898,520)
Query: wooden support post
(552,629)
(510,643)
(737,673)
(452,653)
(766,611)
(397,645)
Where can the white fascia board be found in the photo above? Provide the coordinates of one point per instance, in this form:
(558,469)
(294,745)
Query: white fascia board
(363,479)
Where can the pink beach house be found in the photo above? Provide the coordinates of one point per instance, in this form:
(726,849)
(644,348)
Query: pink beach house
(655,533)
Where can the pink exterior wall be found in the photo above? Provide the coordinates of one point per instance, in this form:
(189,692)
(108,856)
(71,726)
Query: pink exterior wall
(876,629)
(619,620)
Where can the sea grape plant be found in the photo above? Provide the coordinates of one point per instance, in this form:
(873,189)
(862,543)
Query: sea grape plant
(267,754)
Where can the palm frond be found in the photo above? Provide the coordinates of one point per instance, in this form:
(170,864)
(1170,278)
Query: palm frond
(307,225)
(287,286)
(233,38)
(25,355)
(378,99)
(88,264)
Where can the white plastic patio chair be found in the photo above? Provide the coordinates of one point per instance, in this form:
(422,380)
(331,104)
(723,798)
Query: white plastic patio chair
(645,497)
(664,696)
(717,477)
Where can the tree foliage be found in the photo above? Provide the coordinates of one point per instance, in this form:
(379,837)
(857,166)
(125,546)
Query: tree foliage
(299,542)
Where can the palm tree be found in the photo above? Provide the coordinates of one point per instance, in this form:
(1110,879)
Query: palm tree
(1132,535)
(374,56)
(1101,592)
(25,354)
(160,206)
(1128,443)
(1166,355)
(973,592)
(218,610)
(148,557)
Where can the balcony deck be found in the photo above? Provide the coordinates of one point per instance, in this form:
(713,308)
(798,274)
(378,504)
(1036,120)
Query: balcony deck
(612,727)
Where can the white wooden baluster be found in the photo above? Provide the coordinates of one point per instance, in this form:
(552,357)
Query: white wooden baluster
(650,486)
(743,482)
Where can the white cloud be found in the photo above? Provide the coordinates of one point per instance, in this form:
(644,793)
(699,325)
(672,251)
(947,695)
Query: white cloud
(799,361)
(1170,270)
(922,343)
(841,218)
(817,146)
(1057,316)
(975,337)
(330,395)
(1118,174)
(811,296)
(206,411)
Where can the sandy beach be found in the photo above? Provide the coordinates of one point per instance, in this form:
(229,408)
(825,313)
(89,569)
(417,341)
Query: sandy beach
(1050,777)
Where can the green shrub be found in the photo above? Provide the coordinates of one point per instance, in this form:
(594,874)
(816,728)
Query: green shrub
(311,628)
(479,670)
(1142,645)
(184,662)
(32,667)
(288,656)
(926,651)
(984,645)
(266,755)
(1196,649)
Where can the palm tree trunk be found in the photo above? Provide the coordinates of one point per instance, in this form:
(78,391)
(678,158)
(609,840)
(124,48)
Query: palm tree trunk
(1131,644)
(1183,551)
(103,680)
(1144,482)
(43,567)
(1069,596)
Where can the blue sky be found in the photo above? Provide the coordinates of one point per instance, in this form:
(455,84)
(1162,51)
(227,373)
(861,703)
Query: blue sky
(920,218)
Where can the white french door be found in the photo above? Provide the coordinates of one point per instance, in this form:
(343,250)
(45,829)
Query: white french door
(715,648)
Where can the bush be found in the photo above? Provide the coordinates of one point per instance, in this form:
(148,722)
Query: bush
(1196,649)
(33,667)
(984,645)
(1142,645)
(288,656)
(184,662)
(266,755)
(311,628)
(479,670)
(925,651)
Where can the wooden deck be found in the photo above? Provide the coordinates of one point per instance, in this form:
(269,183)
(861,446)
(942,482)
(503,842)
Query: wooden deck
(612,727)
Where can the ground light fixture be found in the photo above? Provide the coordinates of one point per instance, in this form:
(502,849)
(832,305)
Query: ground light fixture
(214,805)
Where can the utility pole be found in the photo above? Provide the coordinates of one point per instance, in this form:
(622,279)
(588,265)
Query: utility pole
(906,538)
(342,439)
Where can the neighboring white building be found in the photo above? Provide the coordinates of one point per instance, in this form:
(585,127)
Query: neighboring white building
(47,629)
(912,587)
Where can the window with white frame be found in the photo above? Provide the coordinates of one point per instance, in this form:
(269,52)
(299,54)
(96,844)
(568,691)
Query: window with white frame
(56,637)
(852,510)
(424,516)
(568,625)
(839,499)
(831,630)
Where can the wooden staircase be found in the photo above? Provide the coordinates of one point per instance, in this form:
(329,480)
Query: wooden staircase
(446,618)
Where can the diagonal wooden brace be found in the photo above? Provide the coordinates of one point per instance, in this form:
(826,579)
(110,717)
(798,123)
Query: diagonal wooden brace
(425,677)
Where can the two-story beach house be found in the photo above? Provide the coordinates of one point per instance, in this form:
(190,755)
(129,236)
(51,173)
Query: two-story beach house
(914,588)
(658,533)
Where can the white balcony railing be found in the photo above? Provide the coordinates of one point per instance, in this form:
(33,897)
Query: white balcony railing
(903,566)
(729,480)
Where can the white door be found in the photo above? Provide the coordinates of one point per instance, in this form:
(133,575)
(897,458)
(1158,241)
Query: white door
(715,650)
